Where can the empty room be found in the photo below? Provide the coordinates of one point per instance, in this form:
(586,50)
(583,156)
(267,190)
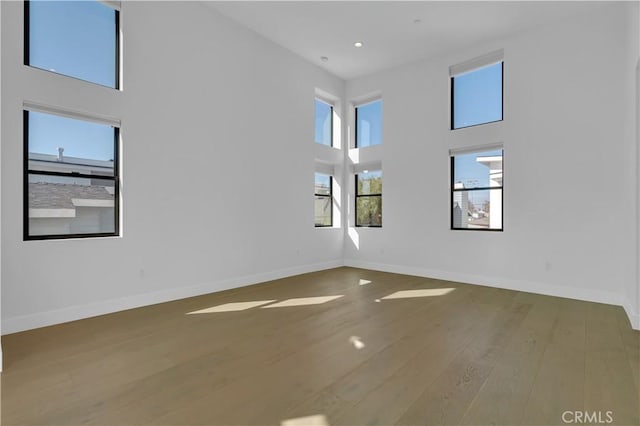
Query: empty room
(320,213)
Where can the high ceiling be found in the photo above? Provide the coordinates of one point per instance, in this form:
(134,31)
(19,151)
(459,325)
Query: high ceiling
(393,32)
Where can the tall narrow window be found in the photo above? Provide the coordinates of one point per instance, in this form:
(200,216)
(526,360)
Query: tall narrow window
(476,96)
(324,123)
(323,200)
(73,38)
(369,124)
(369,199)
(476,190)
(70,177)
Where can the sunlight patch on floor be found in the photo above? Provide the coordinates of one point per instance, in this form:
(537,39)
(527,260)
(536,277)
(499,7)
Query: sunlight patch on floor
(317,420)
(230,307)
(364,282)
(356,342)
(427,292)
(302,301)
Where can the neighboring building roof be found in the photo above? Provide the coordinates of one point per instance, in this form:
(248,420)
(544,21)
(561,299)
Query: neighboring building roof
(61,196)
(77,161)
(494,162)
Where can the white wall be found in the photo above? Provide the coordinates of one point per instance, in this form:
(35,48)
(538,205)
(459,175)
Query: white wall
(1,97)
(633,290)
(636,37)
(218,157)
(569,208)
(631,300)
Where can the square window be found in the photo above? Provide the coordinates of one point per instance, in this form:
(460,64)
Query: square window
(73,38)
(369,199)
(71,177)
(323,203)
(476,96)
(476,190)
(324,123)
(369,124)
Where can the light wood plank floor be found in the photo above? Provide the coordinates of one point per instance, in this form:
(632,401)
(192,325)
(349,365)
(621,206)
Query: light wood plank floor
(470,355)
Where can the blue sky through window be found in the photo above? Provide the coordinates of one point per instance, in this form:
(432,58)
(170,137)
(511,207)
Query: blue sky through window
(473,174)
(323,123)
(323,183)
(79,138)
(369,124)
(477,96)
(74,38)
(470,172)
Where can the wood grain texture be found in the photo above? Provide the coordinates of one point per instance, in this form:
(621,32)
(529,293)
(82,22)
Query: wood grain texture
(473,356)
(559,382)
(512,378)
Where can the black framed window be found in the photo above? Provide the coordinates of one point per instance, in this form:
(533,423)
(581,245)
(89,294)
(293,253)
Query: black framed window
(71,181)
(78,39)
(323,123)
(477,96)
(368,124)
(368,211)
(477,190)
(323,203)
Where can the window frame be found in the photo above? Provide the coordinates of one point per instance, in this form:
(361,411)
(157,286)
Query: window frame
(27,43)
(329,196)
(454,190)
(27,172)
(356,204)
(452,84)
(355,127)
(331,106)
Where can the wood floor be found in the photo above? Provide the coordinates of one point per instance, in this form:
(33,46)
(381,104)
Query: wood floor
(472,355)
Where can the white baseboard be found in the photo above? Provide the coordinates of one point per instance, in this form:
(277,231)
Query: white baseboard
(72,313)
(506,283)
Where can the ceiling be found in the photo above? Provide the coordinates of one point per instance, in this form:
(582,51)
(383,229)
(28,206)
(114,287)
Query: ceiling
(389,29)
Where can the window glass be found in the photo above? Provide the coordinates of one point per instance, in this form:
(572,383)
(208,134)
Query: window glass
(369,211)
(369,199)
(322,211)
(68,206)
(477,96)
(71,184)
(370,183)
(324,123)
(65,144)
(73,38)
(323,204)
(473,171)
(323,184)
(476,197)
(369,124)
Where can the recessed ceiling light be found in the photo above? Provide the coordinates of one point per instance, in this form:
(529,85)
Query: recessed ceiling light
(358,44)
(324,58)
